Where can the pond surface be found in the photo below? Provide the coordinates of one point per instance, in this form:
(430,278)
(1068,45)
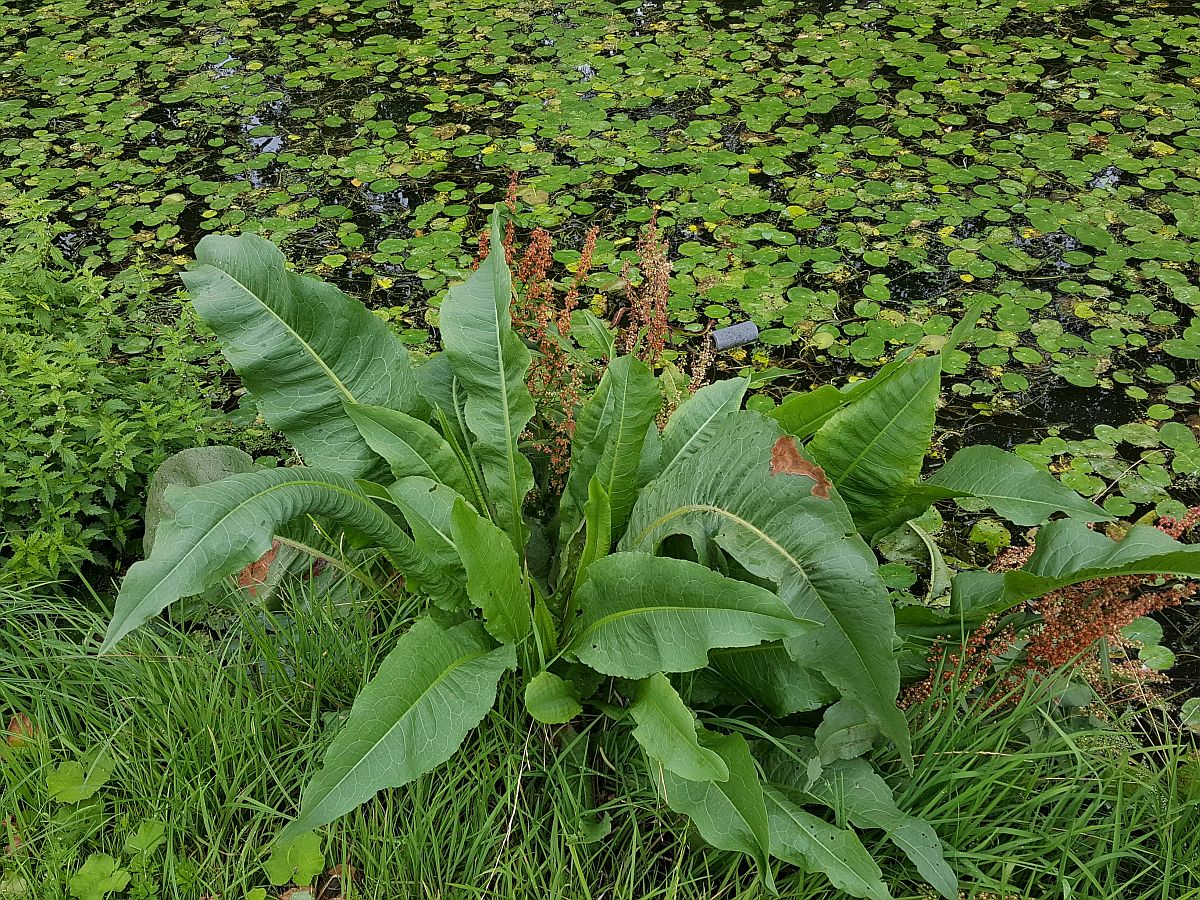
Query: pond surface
(849,176)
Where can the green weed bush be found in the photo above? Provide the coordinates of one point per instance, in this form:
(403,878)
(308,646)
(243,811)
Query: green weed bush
(96,391)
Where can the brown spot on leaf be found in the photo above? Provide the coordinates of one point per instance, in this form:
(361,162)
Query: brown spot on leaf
(13,838)
(786,460)
(20,727)
(256,573)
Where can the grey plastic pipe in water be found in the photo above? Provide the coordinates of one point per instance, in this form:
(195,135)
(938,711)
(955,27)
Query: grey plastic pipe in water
(736,335)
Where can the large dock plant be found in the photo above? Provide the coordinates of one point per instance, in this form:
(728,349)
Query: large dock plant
(722,563)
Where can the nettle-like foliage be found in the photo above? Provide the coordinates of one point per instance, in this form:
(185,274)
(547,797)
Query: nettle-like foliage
(719,564)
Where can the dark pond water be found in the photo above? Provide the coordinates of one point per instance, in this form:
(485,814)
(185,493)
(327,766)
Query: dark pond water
(849,176)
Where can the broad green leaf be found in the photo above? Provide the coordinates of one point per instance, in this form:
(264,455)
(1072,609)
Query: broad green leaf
(439,387)
(845,732)
(1013,487)
(409,446)
(650,465)
(802,839)
(610,433)
(693,423)
(445,394)
(766,675)
(297,861)
(433,688)
(873,448)
(855,791)
(150,835)
(1068,552)
(593,334)
(301,347)
(552,700)
(490,361)
(222,527)
(642,614)
(545,629)
(427,506)
(99,876)
(188,468)
(801,415)
(495,582)
(597,516)
(1189,714)
(667,731)
(204,465)
(776,528)
(729,814)
(77,780)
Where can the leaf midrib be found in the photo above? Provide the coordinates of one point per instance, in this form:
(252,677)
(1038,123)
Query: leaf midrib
(774,545)
(662,608)
(619,414)
(723,407)
(510,442)
(292,331)
(854,463)
(220,523)
(458,663)
(814,842)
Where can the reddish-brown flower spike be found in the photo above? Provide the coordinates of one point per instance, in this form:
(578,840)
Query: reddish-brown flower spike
(786,460)
(481,251)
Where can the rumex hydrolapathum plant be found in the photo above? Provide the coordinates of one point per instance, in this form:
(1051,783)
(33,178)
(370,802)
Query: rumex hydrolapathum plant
(717,548)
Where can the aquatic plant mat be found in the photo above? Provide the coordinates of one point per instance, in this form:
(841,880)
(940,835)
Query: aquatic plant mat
(849,176)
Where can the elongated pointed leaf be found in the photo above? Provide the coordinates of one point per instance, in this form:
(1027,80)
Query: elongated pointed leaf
(609,438)
(301,347)
(855,790)
(692,425)
(222,527)
(643,614)
(552,700)
(845,732)
(776,528)
(426,506)
(495,583)
(1068,552)
(409,446)
(872,449)
(651,464)
(802,414)
(729,814)
(597,514)
(1013,487)
(188,468)
(430,691)
(917,501)
(802,839)
(438,386)
(597,338)
(667,731)
(490,361)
